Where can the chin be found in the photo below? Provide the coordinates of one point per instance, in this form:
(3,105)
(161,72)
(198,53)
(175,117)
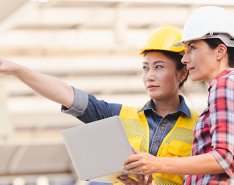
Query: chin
(195,78)
(152,96)
(198,76)
(155,97)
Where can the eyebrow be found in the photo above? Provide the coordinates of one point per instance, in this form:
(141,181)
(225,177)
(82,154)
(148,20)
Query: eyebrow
(154,62)
(189,44)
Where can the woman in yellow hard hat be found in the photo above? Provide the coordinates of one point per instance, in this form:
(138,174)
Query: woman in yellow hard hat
(209,37)
(163,75)
(163,126)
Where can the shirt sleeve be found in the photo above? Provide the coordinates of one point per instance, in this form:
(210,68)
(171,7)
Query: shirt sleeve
(221,102)
(79,105)
(88,108)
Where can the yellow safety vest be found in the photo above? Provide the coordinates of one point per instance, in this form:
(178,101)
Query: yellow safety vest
(177,143)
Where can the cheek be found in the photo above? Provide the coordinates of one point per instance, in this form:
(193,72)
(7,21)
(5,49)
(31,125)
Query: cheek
(204,57)
(144,78)
(205,63)
(169,80)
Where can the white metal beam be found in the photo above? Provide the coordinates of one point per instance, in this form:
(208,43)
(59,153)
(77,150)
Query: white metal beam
(10,11)
(8,7)
(130,2)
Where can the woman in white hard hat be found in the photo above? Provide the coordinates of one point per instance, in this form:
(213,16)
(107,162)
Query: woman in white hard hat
(209,38)
(163,126)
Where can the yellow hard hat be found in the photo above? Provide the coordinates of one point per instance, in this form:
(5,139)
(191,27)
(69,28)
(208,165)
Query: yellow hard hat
(164,38)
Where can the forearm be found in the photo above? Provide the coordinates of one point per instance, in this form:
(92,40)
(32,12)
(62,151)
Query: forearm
(48,86)
(200,164)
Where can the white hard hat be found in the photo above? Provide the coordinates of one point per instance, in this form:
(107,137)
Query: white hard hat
(209,22)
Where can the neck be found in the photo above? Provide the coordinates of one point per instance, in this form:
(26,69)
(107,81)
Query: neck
(167,106)
(223,64)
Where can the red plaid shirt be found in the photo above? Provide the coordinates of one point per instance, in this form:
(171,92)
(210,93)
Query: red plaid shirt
(214,131)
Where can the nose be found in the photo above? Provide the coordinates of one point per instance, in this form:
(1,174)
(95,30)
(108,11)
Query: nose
(185,58)
(150,75)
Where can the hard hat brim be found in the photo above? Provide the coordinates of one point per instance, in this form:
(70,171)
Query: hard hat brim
(226,38)
(177,44)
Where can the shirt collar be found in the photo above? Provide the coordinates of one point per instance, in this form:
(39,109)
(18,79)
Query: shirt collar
(182,108)
(220,75)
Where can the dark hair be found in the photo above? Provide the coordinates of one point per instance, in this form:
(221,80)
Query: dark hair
(213,43)
(173,56)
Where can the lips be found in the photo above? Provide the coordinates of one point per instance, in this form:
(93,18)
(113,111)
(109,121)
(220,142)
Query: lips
(190,68)
(151,86)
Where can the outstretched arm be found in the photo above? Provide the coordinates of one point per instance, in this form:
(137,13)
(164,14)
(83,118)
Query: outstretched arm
(48,86)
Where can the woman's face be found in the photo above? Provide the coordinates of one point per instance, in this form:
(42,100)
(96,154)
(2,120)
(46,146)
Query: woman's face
(201,61)
(160,76)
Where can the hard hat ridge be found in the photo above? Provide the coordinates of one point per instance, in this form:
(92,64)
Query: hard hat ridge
(163,38)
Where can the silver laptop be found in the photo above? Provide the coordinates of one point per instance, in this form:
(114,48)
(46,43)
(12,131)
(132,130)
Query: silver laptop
(98,149)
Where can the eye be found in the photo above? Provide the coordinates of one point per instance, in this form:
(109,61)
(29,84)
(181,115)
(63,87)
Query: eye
(192,47)
(158,66)
(145,68)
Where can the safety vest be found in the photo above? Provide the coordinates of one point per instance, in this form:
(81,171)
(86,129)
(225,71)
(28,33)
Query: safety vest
(177,143)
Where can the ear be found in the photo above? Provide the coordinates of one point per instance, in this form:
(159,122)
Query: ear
(221,51)
(183,74)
